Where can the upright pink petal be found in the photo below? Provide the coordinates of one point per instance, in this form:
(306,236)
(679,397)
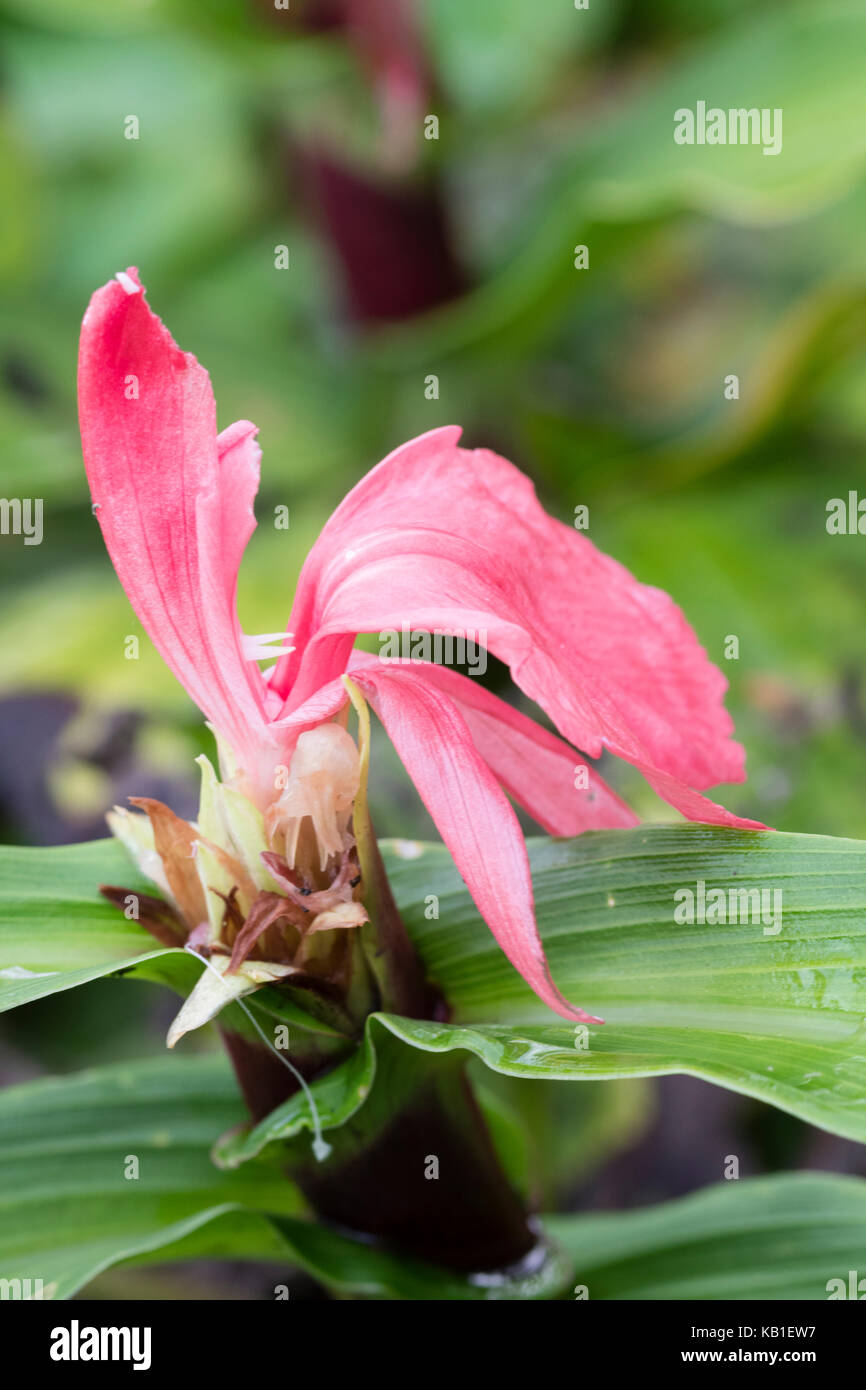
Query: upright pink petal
(446,538)
(174,500)
(471,813)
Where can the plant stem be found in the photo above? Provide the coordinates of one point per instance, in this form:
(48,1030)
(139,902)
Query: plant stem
(415,1167)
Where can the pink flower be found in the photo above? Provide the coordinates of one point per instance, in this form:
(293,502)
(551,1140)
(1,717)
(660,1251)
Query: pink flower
(436,538)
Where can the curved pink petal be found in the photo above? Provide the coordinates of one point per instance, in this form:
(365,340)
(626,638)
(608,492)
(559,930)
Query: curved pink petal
(446,538)
(472,814)
(690,803)
(537,768)
(173,499)
(534,766)
(517,749)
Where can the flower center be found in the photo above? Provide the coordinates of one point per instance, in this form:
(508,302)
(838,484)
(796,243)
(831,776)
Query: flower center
(309,819)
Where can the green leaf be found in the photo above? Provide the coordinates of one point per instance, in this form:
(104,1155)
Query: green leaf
(782,1237)
(68,1212)
(356,1269)
(779,1237)
(107,193)
(778,1017)
(605,905)
(67,1208)
(351,1267)
(57,931)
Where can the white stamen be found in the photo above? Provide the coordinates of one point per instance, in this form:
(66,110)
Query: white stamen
(265,645)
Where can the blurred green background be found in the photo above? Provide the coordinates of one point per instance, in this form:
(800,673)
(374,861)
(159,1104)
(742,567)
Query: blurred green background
(261,127)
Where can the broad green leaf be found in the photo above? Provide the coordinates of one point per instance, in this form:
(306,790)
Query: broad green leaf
(780,1237)
(605,905)
(69,1211)
(68,1208)
(350,1267)
(783,1237)
(779,1017)
(381,1068)
(355,1269)
(57,931)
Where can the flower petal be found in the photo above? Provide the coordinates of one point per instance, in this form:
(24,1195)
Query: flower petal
(535,767)
(446,538)
(544,803)
(471,813)
(174,501)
